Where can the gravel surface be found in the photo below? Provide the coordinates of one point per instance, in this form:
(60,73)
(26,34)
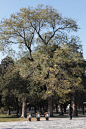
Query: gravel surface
(52,123)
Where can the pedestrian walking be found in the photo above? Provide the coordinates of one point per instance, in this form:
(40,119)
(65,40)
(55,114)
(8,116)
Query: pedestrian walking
(70,112)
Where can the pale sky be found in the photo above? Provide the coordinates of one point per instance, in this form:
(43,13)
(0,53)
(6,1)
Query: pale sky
(75,9)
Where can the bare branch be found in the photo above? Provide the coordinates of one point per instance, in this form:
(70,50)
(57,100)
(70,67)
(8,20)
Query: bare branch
(27,76)
(38,34)
(60,28)
(28,103)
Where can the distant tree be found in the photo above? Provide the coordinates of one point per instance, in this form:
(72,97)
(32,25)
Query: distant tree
(12,85)
(5,62)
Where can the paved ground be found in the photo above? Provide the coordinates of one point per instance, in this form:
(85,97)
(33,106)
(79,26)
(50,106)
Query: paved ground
(53,123)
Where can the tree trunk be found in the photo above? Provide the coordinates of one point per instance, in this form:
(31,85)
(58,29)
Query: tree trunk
(17,108)
(35,109)
(8,112)
(83,109)
(24,107)
(56,108)
(74,106)
(20,110)
(64,107)
(50,106)
(40,109)
(45,108)
(60,109)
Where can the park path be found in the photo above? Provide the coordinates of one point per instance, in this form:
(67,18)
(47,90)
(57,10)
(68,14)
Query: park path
(53,123)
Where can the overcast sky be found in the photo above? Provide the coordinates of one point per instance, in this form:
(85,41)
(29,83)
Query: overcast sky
(75,9)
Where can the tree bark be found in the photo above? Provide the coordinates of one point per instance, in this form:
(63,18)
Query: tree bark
(40,110)
(64,107)
(60,109)
(74,106)
(83,109)
(24,107)
(35,109)
(8,112)
(50,106)
(17,107)
(45,108)
(56,108)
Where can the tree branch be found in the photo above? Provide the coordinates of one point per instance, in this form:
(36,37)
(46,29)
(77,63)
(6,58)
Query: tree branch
(60,28)
(39,34)
(27,76)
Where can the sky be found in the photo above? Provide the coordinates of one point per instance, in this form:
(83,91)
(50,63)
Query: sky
(75,9)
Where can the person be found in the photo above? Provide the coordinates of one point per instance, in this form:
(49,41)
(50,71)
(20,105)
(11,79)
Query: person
(70,112)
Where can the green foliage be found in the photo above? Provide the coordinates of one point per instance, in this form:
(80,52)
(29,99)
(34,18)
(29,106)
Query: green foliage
(23,28)
(2,110)
(60,68)
(12,85)
(54,68)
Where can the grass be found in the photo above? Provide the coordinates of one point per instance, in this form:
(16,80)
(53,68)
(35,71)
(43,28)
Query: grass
(11,118)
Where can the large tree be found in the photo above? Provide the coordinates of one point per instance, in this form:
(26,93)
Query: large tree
(59,69)
(30,25)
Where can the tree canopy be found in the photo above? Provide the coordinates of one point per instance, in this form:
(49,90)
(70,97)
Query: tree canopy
(23,28)
(54,64)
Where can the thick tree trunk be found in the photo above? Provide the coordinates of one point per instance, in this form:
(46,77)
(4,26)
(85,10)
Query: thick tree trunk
(24,107)
(50,106)
(74,106)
